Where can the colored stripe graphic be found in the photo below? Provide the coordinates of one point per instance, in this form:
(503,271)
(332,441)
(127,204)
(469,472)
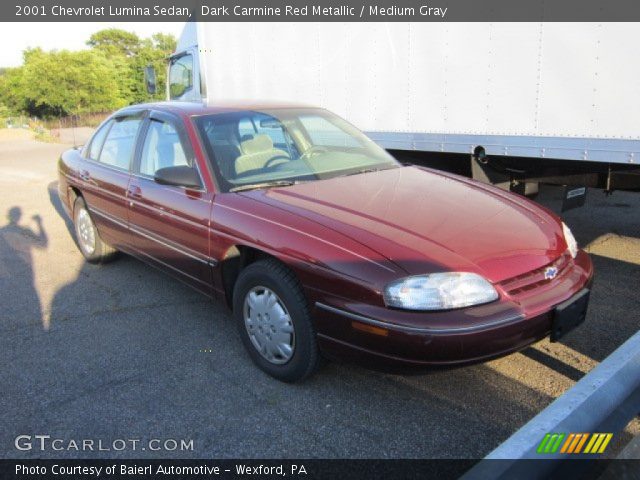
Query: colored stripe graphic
(565,447)
(605,443)
(577,442)
(556,445)
(582,441)
(598,443)
(552,442)
(543,443)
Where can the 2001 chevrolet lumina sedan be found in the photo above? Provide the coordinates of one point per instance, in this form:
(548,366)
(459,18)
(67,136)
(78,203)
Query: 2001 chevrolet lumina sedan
(319,240)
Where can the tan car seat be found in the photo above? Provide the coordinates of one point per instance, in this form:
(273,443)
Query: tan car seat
(256,152)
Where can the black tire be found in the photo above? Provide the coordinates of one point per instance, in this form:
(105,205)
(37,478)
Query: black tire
(101,252)
(275,276)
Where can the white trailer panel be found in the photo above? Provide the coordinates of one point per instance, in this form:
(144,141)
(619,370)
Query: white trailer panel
(556,90)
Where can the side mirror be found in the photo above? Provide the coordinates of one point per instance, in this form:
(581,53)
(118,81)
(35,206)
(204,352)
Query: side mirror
(150,79)
(179,176)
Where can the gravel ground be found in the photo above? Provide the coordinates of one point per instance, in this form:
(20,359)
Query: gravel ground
(122,351)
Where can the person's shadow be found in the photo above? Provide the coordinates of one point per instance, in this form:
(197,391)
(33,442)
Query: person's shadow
(16,270)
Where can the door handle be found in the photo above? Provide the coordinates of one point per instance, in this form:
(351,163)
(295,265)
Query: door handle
(84,175)
(134,191)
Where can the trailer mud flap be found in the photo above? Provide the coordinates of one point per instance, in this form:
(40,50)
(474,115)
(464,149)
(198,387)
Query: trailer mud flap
(573,197)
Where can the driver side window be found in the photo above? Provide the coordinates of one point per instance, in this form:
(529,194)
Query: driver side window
(162,148)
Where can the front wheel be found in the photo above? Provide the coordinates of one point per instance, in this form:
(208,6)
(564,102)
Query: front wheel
(91,245)
(274,322)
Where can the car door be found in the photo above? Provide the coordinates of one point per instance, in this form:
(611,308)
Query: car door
(170,224)
(104,178)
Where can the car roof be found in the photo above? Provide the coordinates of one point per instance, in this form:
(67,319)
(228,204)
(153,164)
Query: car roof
(207,108)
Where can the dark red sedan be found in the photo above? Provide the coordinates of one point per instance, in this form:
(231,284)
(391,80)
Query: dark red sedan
(319,240)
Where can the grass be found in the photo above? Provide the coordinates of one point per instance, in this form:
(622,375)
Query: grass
(44,135)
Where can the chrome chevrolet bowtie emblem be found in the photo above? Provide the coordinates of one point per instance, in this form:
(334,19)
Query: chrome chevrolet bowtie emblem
(550,273)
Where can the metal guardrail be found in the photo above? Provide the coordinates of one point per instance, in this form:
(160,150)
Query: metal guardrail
(604,400)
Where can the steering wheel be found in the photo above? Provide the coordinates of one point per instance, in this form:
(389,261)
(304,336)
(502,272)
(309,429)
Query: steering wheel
(273,159)
(314,150)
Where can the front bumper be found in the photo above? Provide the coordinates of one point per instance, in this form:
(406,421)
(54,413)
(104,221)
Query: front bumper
(381,337)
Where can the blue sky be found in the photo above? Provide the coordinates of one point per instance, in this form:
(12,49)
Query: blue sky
(15,37)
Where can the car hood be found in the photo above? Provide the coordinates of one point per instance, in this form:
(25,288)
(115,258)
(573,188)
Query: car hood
(427,221)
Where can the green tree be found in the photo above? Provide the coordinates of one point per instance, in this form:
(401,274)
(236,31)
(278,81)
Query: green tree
(154,52)
(164,45)
(114,41)
(165,42)
(12,96)
(130,55)
(103,78)
(64,82)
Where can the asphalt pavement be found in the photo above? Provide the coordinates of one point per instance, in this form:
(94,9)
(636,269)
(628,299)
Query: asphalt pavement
(123,352)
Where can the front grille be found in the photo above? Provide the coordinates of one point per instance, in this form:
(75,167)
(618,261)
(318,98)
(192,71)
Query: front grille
(527,282)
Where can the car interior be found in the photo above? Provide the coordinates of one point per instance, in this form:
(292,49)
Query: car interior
(257,152)
(254,147)
(162,148)
(240,148)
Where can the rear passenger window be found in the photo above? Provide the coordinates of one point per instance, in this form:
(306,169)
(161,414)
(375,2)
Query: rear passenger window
(97,141)
(120,143)
(162,148)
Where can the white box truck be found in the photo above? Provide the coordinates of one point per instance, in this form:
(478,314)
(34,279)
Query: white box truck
(513,104)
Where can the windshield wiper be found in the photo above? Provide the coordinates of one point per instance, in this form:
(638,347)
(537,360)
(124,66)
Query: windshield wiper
(367,170)
(254,186)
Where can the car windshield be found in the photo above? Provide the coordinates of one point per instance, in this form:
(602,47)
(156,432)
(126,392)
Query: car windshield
(284,146)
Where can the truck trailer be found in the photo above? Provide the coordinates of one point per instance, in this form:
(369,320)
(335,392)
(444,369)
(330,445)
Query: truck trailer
(512,104)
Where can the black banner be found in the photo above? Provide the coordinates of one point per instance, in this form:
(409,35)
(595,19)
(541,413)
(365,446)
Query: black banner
(319,10)
(142,469)
(227,469)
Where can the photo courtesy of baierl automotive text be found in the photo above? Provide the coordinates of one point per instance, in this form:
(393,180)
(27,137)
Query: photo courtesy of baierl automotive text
(366,240)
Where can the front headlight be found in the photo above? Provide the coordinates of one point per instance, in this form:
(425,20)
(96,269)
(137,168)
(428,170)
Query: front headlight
(572,245)
(439,291)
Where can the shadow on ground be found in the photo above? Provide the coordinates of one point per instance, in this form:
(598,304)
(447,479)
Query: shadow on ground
(151,356)
(132,353)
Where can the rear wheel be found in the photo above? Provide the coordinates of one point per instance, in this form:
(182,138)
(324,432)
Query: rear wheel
(274,322)
(89,242)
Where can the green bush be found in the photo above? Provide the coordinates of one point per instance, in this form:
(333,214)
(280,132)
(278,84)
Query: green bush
(75,82)
(107,76)
(4,113)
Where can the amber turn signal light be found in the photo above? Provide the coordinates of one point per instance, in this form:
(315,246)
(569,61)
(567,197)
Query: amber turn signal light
(383,332)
